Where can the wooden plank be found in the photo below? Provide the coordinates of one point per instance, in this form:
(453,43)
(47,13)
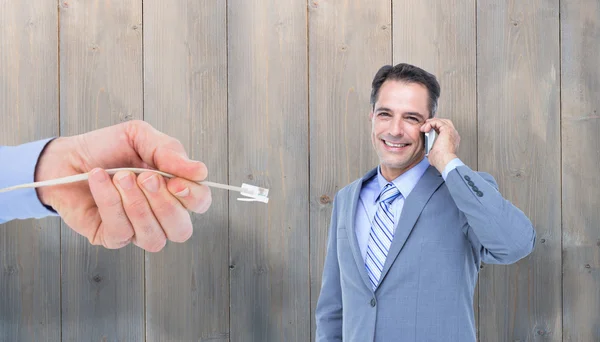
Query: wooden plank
(444,45)
(519,144)
(29,249)
(349,42)
(268,147)
(580,37)
(185,92)
(100,85)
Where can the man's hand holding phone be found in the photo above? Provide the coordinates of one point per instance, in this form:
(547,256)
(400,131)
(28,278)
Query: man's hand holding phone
(446,142)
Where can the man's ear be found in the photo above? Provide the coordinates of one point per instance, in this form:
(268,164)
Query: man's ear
(371,116)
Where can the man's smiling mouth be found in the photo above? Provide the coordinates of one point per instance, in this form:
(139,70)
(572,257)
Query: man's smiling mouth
(394,145)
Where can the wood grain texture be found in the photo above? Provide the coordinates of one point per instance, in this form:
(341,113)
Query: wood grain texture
(439,36)
(349,42)
(100,85)
(29,249)
(268,147)
(580,37)
(276,93)
(518,70)
(185,92)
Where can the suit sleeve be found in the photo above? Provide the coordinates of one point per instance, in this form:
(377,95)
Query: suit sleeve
(329,306)
(502,232)
(17,166)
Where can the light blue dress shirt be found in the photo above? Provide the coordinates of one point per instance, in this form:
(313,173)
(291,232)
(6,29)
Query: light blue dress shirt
(369,196)
(17,166)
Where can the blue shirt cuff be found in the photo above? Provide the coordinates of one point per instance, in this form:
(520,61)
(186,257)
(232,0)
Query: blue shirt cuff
(453,164)
(18,167)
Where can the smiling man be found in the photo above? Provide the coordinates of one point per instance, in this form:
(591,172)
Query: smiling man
(407,239)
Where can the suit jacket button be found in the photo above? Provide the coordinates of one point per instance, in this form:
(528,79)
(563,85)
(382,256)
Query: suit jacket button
(470,183)
(476,189)
(373,302)
(479,193)
(468,178)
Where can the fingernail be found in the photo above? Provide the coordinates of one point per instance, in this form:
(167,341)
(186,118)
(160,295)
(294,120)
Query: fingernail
(98,175)
(151,183)
(183,192)
(126,181)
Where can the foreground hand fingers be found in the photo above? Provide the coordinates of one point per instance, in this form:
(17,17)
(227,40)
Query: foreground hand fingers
(172,216)
(177,163)
(149,234)
(163,152)
(115,231)
(195,197)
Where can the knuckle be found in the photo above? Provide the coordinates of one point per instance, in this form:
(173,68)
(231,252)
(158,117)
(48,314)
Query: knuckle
(164,209)
(110,201)
(156,245)
(138,208)
(147,229)
(124,238)
(175,144)
(139,124)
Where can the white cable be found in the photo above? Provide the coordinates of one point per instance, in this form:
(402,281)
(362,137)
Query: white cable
(253,193)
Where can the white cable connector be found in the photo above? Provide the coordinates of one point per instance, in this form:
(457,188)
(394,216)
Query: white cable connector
(253,193)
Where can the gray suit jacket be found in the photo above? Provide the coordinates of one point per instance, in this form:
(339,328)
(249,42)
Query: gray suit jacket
(445,231)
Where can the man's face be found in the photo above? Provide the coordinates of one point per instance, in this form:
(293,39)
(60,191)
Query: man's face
(396,120)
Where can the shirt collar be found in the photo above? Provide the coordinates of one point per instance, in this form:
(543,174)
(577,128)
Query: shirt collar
(406,182)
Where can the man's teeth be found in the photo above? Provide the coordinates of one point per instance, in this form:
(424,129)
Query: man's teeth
(394,145)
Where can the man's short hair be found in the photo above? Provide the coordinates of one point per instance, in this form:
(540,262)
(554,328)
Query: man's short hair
(409,74)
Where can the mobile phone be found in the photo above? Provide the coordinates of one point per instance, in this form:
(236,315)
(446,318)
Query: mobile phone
(429,140)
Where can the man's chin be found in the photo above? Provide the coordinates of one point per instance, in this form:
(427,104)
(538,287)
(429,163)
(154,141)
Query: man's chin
(399,165)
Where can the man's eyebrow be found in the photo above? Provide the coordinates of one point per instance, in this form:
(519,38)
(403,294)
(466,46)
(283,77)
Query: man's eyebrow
(415,113)
(383,109)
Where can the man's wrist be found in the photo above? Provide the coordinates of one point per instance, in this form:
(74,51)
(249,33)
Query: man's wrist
(47,166)
(447,158)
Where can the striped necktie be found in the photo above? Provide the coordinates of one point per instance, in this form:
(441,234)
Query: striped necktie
(382,233)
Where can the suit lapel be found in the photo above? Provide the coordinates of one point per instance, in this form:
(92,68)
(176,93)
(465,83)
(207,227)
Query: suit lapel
(360,262)
(413,206)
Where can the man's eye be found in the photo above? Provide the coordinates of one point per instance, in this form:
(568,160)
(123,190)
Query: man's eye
(384,114)
(413,118)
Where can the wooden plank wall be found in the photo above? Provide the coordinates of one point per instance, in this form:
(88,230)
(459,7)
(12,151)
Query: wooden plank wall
(518,89)
(580,128)
(100,85)
(185,96)
(341,35)
(268,146)
(30,300)
(276,93)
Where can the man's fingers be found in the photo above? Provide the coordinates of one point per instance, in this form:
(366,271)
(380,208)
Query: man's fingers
(178,164)
(115,231)
(164,152)
(171,215)
(437,124)
(426,127)
(149,234)
(195,197)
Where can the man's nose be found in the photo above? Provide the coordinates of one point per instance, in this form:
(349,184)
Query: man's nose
(397,128)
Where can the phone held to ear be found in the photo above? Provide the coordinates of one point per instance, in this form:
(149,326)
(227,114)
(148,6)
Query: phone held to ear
(429,140)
